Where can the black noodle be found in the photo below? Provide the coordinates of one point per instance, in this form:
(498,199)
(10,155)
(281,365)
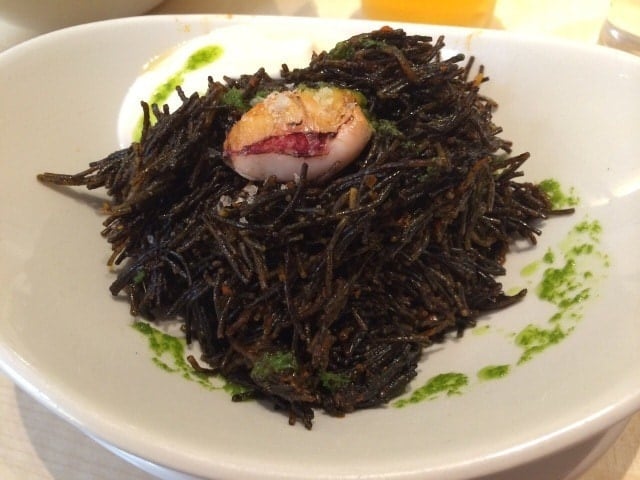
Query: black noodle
(323,296)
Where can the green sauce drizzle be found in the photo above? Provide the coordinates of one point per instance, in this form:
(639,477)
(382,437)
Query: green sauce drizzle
(169,355)
(558,198)
(445,383)
(493,372)
(569,274)
(533,267)
(160,344)
(197,60)
(573,271)
(533,340)
(549,257)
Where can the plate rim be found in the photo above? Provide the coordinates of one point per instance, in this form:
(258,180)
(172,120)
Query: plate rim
(73,412)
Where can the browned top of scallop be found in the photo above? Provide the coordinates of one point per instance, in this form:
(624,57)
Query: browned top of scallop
(321,110)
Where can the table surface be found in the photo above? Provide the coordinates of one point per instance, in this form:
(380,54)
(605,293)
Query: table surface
(36,444)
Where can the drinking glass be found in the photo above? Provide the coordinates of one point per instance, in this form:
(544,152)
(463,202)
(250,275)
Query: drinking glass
(474,13)
(621,29)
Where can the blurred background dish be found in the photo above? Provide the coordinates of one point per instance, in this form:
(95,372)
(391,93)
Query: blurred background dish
(44,16)
(622,28)
(470,13)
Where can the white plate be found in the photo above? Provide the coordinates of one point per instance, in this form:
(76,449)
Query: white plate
(64,339)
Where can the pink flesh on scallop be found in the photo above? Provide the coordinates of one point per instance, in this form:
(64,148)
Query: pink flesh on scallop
(324,128)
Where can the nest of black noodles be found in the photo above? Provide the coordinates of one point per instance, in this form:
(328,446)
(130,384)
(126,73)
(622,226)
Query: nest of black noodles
(323,296)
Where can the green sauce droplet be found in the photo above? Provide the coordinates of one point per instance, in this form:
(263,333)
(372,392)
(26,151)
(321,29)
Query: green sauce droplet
(534,340)
(530,269)
(558,283)
(446,383)
(549,257)
(481,330)
(168,350)
(493,372)
(558,198)
(202,57)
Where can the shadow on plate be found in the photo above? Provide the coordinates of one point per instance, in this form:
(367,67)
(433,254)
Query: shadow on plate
(66,452)
(571,463)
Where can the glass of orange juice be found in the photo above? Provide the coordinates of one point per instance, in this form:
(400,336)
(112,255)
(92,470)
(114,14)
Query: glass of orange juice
(473,13)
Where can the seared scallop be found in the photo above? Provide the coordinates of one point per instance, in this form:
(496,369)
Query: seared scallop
(324,128)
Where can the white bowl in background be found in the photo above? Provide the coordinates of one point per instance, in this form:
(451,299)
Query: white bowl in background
(46,15)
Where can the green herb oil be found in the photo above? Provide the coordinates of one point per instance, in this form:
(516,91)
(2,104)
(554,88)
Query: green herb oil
(443,384)
(197,60)
(572,272)
(559,199)
(493,372)
(169,355)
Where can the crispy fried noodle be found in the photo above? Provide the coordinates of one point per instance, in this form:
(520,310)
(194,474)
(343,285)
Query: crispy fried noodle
(322,294)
